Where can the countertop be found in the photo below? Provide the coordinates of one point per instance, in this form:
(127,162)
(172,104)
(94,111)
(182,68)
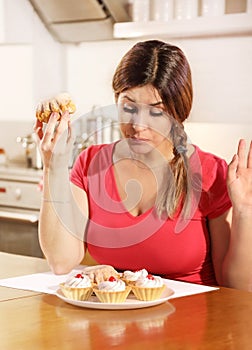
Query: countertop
(19,172)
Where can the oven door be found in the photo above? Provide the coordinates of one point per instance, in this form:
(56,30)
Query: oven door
(19,232)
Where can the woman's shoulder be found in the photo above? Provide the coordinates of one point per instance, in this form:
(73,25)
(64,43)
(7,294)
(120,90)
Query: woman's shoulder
(90,160)
(211,167)
(206,157)
(92,150)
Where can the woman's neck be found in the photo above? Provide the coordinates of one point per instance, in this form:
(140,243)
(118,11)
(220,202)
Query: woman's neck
(153,159)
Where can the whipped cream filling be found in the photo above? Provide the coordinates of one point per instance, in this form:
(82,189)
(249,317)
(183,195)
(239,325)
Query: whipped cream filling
(78,281)
(150,282)
(135,275)
(112,286)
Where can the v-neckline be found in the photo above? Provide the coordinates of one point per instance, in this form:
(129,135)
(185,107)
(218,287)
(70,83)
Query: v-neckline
(114,183)
(112,169)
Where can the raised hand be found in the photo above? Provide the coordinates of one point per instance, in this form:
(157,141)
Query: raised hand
(239,178)
(55,141)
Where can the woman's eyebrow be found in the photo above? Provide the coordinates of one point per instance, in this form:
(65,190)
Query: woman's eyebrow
(128,98)
(156,103)
(150,104)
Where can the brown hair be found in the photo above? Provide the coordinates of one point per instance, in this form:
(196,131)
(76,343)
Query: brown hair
(166,68)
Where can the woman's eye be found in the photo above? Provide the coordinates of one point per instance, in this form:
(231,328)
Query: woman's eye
(156,112)
(129,109)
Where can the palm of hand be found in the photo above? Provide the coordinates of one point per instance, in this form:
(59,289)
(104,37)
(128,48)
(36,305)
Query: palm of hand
(240,189)
(239,177)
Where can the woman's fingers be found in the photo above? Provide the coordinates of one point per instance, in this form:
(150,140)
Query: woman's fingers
(245,160)
(238,162)
(50,129)
(250,156)
(38,129)
(242,161)
(62,128)
(232,169)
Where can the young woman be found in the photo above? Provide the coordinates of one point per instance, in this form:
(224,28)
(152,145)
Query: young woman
(150,200)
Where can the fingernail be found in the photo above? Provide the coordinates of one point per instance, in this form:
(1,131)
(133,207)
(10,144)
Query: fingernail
(55,115)
(66,115)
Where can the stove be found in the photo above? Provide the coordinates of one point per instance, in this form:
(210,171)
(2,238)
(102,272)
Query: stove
(20,198)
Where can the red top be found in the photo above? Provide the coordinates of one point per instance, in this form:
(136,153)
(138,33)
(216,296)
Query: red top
(173,248)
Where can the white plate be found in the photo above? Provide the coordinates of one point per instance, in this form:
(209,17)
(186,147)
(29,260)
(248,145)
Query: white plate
(130,303)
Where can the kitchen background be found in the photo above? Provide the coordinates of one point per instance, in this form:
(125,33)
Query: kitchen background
(50,46)
(34,65)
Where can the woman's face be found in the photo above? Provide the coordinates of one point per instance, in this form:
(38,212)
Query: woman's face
(143,120)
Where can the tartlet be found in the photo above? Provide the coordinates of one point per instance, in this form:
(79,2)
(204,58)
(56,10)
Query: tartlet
(112,291)
(77,287)
(148,288)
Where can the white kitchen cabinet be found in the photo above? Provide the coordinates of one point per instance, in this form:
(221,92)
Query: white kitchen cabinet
(229,24)
(31,62)
(16,88)
(2,22)
(16,22)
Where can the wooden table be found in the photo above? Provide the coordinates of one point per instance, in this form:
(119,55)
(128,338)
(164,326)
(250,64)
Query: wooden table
(12,265)
(220,319)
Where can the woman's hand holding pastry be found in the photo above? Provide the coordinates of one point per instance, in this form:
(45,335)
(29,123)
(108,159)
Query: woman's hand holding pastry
(239,179)
(56,139)
(59,104)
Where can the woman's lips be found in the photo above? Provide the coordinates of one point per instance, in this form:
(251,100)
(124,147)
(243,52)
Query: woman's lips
(139,139)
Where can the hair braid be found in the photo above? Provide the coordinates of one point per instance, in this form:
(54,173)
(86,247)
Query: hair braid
(178,187)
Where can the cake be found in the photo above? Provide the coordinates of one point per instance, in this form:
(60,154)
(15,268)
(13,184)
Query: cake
(77,287)
(114,290)
(148,288)
(59,104)
(130,277)
(99,273)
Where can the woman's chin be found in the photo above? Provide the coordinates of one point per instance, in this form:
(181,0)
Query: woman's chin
(140,146)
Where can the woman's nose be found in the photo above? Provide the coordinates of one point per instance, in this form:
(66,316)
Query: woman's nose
(138,127)
(139,120)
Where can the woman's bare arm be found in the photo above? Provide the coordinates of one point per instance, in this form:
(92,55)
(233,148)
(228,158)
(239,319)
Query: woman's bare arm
(231,234)
(238,262)
(64,209)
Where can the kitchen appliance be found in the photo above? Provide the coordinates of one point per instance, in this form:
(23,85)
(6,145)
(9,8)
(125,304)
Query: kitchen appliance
(102,125)
(32,153)
(19,210)
(81,20)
